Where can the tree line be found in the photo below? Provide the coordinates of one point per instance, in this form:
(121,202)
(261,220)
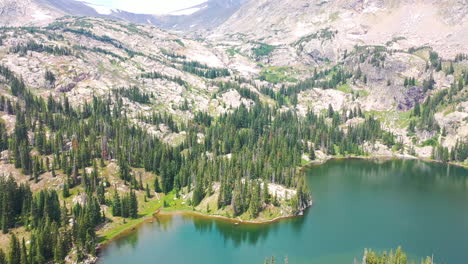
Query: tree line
(244,151)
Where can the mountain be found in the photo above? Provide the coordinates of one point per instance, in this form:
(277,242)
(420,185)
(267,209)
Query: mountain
(113,116)
(42,12)
(207,15)
(110,54)
(388,42)
(328,27)
(26,12)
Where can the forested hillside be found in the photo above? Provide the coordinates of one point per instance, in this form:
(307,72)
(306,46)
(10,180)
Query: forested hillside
(103,123)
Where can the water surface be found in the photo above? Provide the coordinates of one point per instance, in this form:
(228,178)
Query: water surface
(357,204)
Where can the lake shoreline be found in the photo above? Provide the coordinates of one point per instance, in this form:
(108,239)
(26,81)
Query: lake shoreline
(380,158)
(230,219)
(168,211)
(161,211)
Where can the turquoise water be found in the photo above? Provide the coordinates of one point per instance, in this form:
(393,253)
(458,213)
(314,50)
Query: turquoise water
(357,204)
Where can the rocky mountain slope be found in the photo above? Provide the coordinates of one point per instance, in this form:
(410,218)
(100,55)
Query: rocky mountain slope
(26,12)
(331,70)
(207,15)
(330,27)
(93,56)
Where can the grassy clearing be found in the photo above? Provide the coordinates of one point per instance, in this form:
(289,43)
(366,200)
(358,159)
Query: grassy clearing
(277,75)
(393,117)
(263,49)
(233,51)
(119,225)
(345,88)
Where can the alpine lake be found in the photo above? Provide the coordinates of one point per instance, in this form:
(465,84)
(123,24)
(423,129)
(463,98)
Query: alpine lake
(358,204)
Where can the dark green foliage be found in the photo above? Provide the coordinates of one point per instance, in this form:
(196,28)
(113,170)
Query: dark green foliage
(14,257)
(99,50)
(417,109)
(116,205)
(428,84)
(133,94)
(50,77)
(409,81)
(104,39)
(203,118)
(459,151)
(172,55)
(198,192)
(3,258)
(157,186)
(435,60)
(243,150)
(461,57)
(45,216)
(157,75)
(66,191)
(325,79)
(203,70)
(399,257)
(158,118)
(255,200)
(393,257)
(244,92)
(323,34)
(263,50)
(33,46)
(450,70)
(429,107)
(15,200)
(126,207)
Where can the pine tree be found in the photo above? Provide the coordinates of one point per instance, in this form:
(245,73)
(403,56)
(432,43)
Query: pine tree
(330,110)
(133,205)
(147,190)
(417,109)
(116,205)
(266,195)
(14,256)
(100,193)
(450,70)
(312,154)
(65,191)
(24,254)
(157,187)
(255,204)
(3,259)
(237,205)
(124,170)
(7,211)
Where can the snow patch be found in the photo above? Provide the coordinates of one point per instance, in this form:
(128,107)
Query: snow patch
(186,12)
(40,15)
(100,9)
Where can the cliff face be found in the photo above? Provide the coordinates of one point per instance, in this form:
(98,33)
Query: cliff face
(440,24)
(26,13)
(205,16)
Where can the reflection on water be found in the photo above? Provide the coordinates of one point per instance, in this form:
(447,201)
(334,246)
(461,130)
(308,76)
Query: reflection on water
(357,204)
(243,233)
(403,173)
(131,239)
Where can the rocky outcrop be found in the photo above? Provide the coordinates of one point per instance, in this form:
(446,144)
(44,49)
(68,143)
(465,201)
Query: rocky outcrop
(26,13)
(440,24)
